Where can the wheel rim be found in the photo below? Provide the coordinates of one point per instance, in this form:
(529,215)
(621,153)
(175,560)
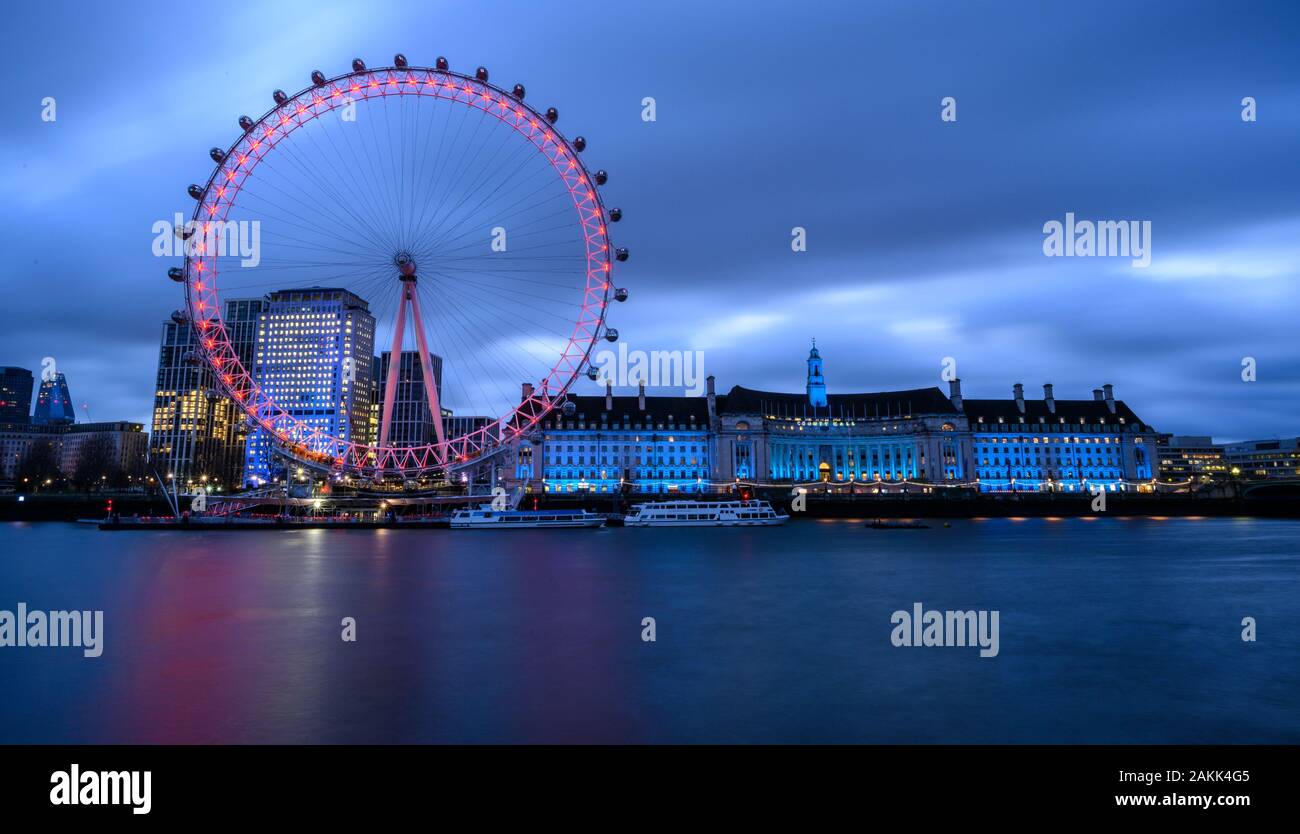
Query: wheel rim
(240,190)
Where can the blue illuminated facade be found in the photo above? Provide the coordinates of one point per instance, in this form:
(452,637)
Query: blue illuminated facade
(816,379)
(1060,445)
(605,444)
(890,437)
(314,356)
(916,440)
(53,402)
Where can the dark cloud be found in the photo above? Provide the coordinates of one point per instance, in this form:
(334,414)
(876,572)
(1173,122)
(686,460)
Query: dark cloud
(924,237)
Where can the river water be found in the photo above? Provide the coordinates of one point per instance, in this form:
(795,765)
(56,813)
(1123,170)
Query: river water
(1110,630)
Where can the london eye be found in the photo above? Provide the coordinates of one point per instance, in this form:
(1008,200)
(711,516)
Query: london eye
(469,244)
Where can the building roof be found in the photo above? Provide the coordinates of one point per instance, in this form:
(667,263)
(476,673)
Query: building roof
(656,408)
(72,428)
(659,409)
(1276,444)
(298,294)
(883,404)
(1091,411)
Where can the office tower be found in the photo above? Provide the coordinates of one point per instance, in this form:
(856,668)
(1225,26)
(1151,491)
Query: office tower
(198,435)
(53,402)
(411,423)
(15,395)
(314,358)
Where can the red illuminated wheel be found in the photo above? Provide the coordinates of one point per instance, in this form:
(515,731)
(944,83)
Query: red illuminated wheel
(462,221)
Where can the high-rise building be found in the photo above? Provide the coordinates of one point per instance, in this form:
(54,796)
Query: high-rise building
(411,421)
(15,395)
(242,318)
(314,358)
(198,435)
(53,402)
(193,427)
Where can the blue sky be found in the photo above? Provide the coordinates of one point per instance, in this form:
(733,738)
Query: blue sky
(924,237)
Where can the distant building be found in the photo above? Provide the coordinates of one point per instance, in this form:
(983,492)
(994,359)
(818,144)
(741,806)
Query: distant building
(1255,459)
(15,395)
(411,421)
(314,358)
(16,439)
(197,434)
(126,446)
(53,402)
(454,425)
(1186,459)
(127,443)
(193,427)
(242,318)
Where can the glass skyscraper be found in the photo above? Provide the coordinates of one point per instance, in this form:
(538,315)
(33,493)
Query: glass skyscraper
(314,357)
(412,424)
(197,435)
(15,395)
(54,403)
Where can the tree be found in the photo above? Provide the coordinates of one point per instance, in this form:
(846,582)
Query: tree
(97,463)
(38,465)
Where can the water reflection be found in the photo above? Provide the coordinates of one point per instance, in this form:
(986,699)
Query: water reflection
(1112,630)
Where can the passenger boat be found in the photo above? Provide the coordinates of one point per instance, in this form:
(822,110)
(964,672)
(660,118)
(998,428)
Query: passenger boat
(878,524)
(704,514)
(486,518)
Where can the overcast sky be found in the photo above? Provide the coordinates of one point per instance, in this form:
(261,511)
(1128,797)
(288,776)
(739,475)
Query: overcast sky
(924,238)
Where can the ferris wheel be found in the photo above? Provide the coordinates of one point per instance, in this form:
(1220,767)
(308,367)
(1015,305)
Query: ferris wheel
(458,239)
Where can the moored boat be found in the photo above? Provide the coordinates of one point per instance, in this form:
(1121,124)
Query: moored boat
(486,518)
(704,514)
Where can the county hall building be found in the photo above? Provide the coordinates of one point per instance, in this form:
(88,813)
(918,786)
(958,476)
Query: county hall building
(919,439)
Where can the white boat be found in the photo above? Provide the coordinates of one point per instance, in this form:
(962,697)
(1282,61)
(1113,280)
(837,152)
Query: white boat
(704,514)
(486,518)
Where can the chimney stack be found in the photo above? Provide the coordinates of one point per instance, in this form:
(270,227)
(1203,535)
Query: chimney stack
(1096,395)
(640,396)
(1110,396)
(1048,398)
(609,395)
(954,393)
(712,397)
(526,391)
(1018,390)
